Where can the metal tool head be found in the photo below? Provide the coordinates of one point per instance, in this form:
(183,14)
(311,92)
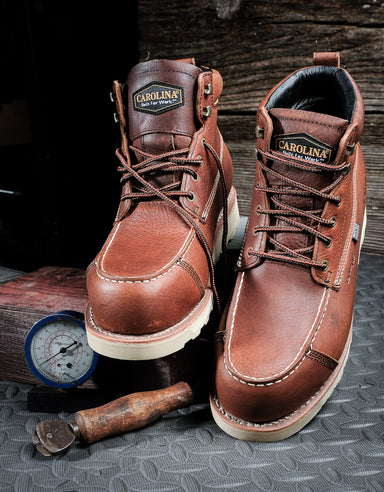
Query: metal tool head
(53,437)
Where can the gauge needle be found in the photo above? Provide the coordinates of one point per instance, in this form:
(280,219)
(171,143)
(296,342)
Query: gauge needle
(61,351)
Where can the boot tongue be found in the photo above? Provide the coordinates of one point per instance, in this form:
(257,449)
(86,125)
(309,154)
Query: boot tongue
(306,135)
(315,138)
(161,105)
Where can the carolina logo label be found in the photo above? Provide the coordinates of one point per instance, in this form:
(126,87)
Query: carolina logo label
(305,147)
(158,97)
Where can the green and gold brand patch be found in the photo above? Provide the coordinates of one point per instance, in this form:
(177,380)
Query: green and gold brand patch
(158,97)
(304,146)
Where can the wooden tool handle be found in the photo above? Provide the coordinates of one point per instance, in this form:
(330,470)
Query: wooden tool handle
(130,412)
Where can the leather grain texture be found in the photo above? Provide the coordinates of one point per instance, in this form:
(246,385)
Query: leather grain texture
(342,449)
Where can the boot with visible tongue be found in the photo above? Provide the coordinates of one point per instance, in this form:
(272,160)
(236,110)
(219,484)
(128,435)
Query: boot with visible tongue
(284,339)
(151,287)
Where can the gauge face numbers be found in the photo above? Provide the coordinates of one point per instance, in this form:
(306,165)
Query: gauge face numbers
(58,352)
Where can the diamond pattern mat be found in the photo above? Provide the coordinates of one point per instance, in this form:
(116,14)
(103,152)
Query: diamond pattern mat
(342,449)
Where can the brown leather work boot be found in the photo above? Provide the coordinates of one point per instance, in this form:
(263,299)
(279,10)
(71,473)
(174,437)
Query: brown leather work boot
(151,287)
(285,335)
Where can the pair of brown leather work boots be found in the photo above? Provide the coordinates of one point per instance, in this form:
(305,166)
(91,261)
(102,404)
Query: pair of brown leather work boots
(284,336)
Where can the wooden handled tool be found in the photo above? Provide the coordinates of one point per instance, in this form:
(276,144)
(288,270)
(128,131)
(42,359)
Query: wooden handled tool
(124,414)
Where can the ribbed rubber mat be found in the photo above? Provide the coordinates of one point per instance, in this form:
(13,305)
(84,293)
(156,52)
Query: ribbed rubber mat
(342,449)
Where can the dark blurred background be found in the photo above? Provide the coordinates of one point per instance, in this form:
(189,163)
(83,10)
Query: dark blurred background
(58,180)
(57,134)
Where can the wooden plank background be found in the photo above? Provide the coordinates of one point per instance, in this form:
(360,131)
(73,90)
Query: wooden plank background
(254,44)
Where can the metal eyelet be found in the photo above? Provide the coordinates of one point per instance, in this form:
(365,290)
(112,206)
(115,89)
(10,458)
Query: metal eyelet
(333,220)
(259,132)
(199,158)
(338,204)
(116,118)
(195,177)
(191,196)
(112,97)
(325,264)
(345,171)
(256,230)
(208,89)
(258,208)
(350,149)
(329,243)
(207,111)
(249,252)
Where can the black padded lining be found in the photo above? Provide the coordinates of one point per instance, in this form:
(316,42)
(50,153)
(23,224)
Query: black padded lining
(322,89)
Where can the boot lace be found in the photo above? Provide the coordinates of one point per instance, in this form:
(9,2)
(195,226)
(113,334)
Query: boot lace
(293,217)
(172,162)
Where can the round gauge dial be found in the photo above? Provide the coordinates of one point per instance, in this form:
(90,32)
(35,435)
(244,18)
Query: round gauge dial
(57,350)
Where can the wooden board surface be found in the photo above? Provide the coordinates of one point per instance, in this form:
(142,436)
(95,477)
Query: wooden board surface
(27,299)
(32,296)
(256,44)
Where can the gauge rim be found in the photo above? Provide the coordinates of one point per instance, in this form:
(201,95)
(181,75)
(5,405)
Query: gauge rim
(62,315)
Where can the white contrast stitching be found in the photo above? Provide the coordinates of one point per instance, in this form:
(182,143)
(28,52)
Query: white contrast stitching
(150,279)
(109,244)
(268,424)
(344,256)
(249,383)
(208,205)
(211,197)
(229,200)
(152,336)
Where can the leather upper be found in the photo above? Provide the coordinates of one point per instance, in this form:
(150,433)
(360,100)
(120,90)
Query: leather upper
(152,270)
(288,324)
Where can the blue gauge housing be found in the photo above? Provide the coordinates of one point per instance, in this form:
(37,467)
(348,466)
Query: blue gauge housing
(61,315)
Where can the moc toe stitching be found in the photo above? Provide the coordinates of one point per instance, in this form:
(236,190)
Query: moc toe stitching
(246,378)
(143,337)
(166,269)
(189,297)
(300,368)
(271,422)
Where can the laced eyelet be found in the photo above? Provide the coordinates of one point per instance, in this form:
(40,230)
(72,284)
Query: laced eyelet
(249,252)
(191,196)
(195,177)
(200,158)
(350,148)
(325,264)
(329,243)
(256,230)
(346,170)
(258,208)
(203,141)
(333,220)
(338,204)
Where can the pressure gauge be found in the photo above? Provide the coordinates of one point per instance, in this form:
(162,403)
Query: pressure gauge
(57,350)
